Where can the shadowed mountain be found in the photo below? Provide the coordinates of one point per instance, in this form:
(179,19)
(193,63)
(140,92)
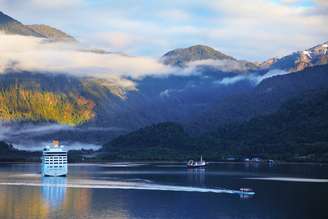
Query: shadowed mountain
(297,131)
(265,98)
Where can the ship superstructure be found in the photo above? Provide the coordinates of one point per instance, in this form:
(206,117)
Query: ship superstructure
(54,160)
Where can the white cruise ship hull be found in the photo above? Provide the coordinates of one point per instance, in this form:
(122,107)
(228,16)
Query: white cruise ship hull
(54,172)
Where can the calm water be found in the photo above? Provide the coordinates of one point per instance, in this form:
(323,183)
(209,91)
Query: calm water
(165,191)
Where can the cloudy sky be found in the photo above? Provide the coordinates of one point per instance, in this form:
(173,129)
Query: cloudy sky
(246,29)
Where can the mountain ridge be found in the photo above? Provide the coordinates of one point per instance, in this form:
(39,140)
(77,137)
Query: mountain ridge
(297,61)
(10,25)
(51,33)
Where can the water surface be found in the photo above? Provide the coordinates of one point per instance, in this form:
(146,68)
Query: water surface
(165,190)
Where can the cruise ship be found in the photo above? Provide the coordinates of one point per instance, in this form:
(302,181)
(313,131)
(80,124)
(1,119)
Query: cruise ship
(54,160)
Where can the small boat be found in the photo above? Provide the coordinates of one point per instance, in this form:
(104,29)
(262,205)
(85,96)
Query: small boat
(195,164)
(246,193)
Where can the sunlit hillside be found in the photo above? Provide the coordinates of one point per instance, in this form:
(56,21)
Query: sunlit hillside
(20,104)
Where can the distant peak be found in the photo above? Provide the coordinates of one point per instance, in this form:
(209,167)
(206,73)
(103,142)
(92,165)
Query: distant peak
(200,46)
(181,56)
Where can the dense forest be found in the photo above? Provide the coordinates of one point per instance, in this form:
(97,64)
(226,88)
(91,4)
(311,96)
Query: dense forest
(9,154)
(20,104)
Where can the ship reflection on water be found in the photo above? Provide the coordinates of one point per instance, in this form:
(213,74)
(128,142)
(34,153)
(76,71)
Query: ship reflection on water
(53,190)
(29,202)
(196,176)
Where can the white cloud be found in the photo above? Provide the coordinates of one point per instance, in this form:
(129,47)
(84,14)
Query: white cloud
(33,54)
(252,78)
(8,130)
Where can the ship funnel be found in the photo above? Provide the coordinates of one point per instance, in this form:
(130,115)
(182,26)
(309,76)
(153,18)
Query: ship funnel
(55,143)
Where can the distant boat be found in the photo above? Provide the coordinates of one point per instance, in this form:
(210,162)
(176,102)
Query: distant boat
(256,159)
(246,193)
(195,164)
(54,160)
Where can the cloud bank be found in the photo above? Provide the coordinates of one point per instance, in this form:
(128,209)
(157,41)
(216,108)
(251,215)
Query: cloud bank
(33,54)
(24,53)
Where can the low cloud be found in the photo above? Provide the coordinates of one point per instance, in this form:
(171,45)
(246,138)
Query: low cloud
(10,130)
(252,78)
(33,54)
(38,146)
(224,65)
(23,136)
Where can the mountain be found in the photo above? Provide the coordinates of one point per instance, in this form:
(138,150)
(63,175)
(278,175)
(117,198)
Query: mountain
(93,109)
(196,101)
(297,61)
(163,141)
(263,99)
(57,98)
(9,154)
(51,32)
(297,131)
(11,26)
(194,53)
(204,59)
(224,91)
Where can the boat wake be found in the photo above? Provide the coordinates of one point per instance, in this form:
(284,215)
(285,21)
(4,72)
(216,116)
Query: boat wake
(290,179)
(102,184)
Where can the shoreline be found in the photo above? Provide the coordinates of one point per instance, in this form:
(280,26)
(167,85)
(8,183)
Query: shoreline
(180,162)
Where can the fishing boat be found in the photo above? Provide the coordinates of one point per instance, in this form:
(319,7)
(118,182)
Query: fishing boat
(196,164)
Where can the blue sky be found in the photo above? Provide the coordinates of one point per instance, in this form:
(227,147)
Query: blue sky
(246,29)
